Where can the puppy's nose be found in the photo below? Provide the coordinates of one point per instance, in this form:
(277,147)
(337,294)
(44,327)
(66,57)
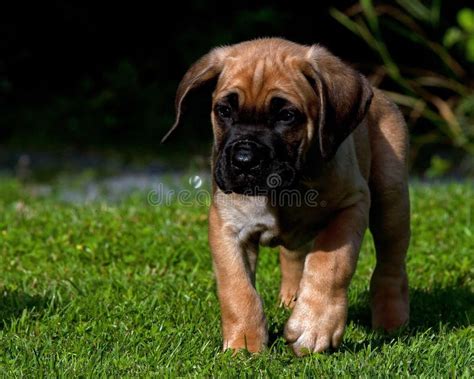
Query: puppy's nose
(245,156)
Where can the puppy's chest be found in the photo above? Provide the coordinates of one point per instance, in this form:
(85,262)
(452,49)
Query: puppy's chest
(253,218)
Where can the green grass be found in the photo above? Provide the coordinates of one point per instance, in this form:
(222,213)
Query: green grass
(127,290)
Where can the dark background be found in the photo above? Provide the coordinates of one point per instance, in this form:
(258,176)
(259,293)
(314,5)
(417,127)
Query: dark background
(102,76)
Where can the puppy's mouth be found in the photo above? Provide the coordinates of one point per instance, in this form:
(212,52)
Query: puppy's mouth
(251,167)
(272,177)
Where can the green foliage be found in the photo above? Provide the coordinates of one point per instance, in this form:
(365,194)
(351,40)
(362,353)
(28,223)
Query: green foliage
(438,167)
(127,291)
(462,35)
(433,88)
(123,100)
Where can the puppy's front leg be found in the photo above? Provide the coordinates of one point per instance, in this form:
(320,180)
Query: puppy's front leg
(319,316)
(243,321)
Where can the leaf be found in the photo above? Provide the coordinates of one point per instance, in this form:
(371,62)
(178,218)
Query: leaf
(371,16)
(435,12)
(441,82)
(416,9)
(344,20)
(447,59)
(446,112)
(452,36)
(466,19)
(405,32)
(438,167)
(470,49)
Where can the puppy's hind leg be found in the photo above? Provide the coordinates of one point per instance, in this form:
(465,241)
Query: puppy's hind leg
(389,221)
(390,227)
(291,265)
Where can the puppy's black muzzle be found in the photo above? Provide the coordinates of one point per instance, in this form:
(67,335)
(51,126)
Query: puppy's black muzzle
(251,167)
(246,156)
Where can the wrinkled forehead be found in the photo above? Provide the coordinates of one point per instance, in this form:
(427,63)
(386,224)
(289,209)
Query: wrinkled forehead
(256,80)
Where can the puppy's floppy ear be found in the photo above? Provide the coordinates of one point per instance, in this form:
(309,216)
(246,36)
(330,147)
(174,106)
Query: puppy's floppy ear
(344,95)
(201,72)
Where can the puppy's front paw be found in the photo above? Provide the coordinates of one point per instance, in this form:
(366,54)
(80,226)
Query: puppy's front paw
(316,326)
(249,337)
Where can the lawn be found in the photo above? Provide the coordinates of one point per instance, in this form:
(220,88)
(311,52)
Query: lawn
(126,289)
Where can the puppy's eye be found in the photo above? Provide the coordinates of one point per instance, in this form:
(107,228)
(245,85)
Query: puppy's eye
(286,116)
(224,111)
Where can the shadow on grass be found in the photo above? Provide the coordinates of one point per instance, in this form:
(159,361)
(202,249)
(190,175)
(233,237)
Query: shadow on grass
(438,309)
(435,310)
(14,303)
(447,307)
